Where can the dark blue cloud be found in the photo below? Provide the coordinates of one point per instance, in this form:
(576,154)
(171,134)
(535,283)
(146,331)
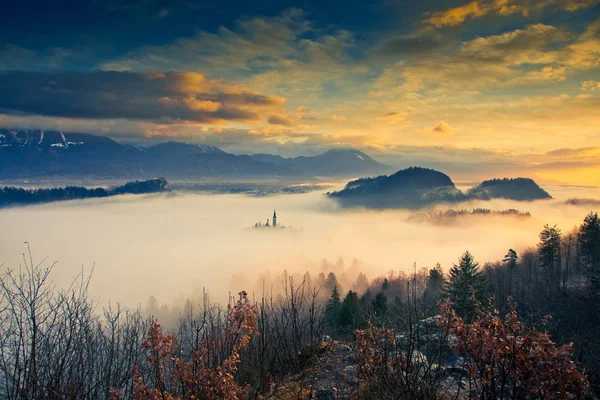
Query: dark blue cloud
(69,34)
(168,97)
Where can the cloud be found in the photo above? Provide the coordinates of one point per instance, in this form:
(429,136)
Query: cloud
(530,45)
(280,120)
(161,97)
(442,128)
(254,42)
(479,8)
(457,15)
(393,117)
(590,85)
(536,55)
(338,118)
(284,55)
(414,44)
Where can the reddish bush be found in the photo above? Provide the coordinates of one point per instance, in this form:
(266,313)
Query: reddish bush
(506,360)
(201,374)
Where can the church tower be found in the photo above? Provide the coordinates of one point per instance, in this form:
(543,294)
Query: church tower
(274,219)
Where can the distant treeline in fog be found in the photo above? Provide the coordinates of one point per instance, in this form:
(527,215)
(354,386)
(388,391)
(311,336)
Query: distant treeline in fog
(583,202)
(469,332)
(10,196)
(450,216)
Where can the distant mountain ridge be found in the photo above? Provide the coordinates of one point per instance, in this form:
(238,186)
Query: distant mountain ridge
(417,187)
(36,153)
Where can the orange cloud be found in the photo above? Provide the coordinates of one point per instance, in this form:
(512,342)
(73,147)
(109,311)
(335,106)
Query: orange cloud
(442,128)
(393,117)
(201,105)
(479,8)
(590,85)
(456,16)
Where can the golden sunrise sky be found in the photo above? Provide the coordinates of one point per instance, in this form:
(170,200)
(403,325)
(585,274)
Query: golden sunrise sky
(477,89)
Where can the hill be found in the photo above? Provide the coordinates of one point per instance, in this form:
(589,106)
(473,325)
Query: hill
(521,189)
(413,188)
(11,196)
(417,187)
(38,153)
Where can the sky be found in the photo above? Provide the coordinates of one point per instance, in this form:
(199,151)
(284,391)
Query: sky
(478,88)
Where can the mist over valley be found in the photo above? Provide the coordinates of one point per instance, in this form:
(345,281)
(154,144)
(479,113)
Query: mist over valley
(172,245)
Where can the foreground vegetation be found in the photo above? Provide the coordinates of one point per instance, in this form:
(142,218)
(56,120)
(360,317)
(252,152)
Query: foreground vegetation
(526,327)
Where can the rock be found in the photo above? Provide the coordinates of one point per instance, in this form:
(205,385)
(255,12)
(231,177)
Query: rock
(324,394)
(345,347)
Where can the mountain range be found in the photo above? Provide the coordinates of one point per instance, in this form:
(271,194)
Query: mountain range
(37,153)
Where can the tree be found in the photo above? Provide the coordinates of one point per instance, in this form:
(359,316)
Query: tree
(332,310)
(549,253)
(362,283)
(434,287)
(350,314)
(588,240)
(510,259)
(385,285)
(466,286)
(331,282)
(380,306)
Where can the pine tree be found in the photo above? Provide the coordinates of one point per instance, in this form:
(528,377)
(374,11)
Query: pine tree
(511,261)
(362,283)
(385,285)
(330,283)
(588,240)
(332,310)
(435,285)
(466,286)
(380,306)
(549,253)
(350,317)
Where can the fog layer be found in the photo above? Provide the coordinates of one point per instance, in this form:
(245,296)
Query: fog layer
(173,245)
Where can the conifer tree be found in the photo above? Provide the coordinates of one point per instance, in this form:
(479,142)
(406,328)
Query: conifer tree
(466,286)
(435,285)
(362,283)
(385,285)
(332,310)
(330,283)
(588,240)
(511,261)
(549,253)
(350,317)
(380,306)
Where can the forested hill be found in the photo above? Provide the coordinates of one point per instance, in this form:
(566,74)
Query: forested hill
(523,189)
(417,187)
(10,196)
(413,187)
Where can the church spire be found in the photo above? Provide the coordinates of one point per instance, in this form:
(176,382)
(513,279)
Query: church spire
(274,219)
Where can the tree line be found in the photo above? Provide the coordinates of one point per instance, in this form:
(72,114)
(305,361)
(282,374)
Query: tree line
(19,196)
